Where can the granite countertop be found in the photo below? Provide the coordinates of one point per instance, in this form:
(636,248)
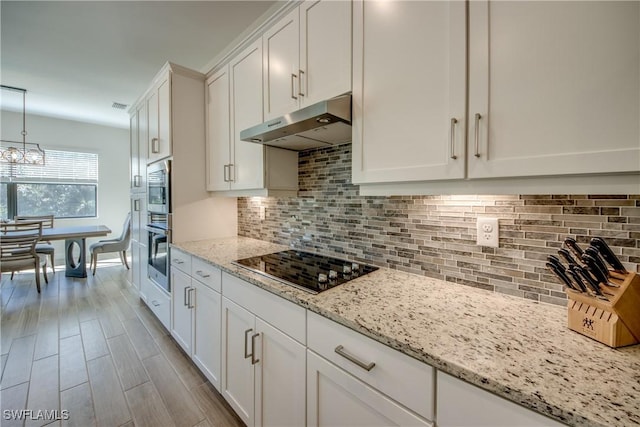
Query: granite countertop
(515,348)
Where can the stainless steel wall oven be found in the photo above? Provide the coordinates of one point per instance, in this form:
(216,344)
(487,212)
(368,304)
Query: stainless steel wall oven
(159,223)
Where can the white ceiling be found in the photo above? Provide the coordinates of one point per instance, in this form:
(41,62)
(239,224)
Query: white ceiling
(76,58)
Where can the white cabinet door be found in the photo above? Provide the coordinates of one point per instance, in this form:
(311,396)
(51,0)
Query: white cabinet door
(462,404)
(238,326)
(247,158)
(152,126)
(325,50)
(218,131)
(134,153)
(207,305)
(282,66)
(159,111)
(143,123)
(181,309)
(280,387)
(335,398)
(556,87)
(408,87)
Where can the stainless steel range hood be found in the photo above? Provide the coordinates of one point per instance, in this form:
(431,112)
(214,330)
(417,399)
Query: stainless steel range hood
(319,125)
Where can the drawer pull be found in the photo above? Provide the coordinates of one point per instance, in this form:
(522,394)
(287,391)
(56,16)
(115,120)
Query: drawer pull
(350,358)
(201,274)
(155,303)
(178,261)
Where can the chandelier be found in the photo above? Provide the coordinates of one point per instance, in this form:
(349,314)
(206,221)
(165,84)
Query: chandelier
(21,152)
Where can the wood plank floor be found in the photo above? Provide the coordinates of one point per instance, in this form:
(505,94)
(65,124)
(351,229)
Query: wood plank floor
(92,350)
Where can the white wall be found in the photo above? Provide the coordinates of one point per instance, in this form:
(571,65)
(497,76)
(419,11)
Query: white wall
(112,146)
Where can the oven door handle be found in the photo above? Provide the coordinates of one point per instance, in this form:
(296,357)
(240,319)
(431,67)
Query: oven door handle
(157,230)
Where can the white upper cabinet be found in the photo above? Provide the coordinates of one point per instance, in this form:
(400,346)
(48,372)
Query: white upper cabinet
(408,91)
(159,125)
(218,131)
(246,169)
(307,56)
(234,103)
(325,50)
(553,93)
(281,67)
(556,86)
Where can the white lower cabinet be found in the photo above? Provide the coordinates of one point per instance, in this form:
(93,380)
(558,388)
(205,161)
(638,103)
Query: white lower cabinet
(336,398)
(196,308)
(404,379)
(263,368)
(463,404)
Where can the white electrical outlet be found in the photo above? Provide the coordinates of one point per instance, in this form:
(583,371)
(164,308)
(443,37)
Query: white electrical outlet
(488,232)
(263,213)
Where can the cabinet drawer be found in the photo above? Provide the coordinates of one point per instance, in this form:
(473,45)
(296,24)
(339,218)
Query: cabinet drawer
(206,274)
(284,315)
(404,379)
(160,304)
(181,260)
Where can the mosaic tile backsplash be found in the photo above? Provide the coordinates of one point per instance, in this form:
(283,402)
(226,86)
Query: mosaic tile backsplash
(435,235)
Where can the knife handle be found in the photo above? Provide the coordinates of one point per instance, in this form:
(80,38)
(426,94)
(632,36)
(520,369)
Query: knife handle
(574,270)
(593,284)
(555,261)
(560,275)
(596,255)
(567,256)
(594,268)
(571,243)
(608,255)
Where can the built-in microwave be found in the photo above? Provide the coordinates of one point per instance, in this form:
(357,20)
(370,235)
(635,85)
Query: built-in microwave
(159,187)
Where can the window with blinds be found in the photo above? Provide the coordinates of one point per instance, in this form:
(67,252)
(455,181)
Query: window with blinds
(66,186)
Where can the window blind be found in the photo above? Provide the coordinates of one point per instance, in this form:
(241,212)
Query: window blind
(60,166)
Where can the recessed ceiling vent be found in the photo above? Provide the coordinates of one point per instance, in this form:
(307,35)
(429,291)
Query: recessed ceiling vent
(119,106)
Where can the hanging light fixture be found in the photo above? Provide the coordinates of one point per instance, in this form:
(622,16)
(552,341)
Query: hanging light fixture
(21,152)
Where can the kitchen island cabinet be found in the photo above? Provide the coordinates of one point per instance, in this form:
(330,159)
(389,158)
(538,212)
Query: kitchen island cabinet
(552,92)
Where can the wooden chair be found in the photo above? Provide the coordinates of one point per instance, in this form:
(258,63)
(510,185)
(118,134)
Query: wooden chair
(18,249)
(43,248)
(120,245)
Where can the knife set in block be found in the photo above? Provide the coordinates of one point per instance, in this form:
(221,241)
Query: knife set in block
(614,322)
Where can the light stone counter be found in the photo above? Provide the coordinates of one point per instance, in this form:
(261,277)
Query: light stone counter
(515,348)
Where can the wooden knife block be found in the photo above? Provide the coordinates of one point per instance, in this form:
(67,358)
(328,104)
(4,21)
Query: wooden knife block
(616,322)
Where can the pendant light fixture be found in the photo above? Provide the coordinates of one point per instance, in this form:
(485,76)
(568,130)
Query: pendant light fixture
(21,152)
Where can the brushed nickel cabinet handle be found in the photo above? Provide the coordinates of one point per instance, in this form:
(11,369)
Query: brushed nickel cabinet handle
(477,134)
(253,349)
(190,298)
(226,173)
(453,138)
(184,296)
(155,303)
(293,76)
(137,180)
(366,366)
(232,172)
(136,205)
(300,84)
(201,274)
(155,145)
(246,346)
(178,261)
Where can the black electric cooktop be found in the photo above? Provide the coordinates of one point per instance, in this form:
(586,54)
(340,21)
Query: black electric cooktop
(310,272)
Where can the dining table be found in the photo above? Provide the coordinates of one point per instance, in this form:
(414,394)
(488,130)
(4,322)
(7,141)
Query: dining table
(75,238)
